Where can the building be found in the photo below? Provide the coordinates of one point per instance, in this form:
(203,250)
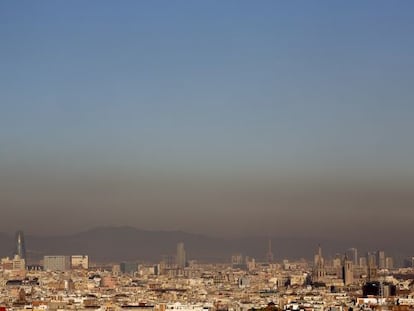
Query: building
(372,259)
(14,264)
(80,262)
(337,265)
(181,257)
(352,254)
(363,262)
(319,272)
(409,262)
(244,282)
(129,267)
(269,254)
(238,262)
(381,259)
(389,263)
(168,262)
(56,263)
(20,245)
(237,259)
(372,268)
(378,289)
(348,272)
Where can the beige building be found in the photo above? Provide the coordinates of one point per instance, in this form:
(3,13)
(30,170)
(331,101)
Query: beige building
(80,262)
(14,264)
(56,263)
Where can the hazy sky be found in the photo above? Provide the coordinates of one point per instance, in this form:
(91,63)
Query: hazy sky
(219,117)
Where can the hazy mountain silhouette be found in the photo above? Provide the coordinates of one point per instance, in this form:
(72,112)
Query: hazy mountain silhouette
(114,244)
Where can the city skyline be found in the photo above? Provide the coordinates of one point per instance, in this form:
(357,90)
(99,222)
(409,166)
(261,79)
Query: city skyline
(179,283)
(157,244)
(225,119)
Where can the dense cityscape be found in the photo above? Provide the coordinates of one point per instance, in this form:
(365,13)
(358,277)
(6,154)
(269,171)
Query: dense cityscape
(216,155)
(347,282)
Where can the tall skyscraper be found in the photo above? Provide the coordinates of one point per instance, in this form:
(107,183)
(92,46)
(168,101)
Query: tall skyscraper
(372,259)
(381,259)
(180,257)
(372,267)
(269,254)
(20,245)
(352,254)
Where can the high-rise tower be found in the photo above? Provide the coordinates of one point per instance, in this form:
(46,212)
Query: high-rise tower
(381,259)
(352,254)
(372,267)
(20,245)
(269,254)
(180,257)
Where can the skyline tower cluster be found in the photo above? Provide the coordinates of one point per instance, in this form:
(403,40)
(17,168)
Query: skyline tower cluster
(347,266)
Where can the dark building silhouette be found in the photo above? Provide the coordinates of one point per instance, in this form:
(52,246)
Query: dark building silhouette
(378,289)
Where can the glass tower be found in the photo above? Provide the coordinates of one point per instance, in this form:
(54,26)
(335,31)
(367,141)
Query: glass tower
(20,245)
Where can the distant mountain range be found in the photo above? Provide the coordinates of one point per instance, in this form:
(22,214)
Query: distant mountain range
(115,244)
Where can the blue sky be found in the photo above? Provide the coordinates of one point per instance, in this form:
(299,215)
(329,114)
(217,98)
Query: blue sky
(214,88)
